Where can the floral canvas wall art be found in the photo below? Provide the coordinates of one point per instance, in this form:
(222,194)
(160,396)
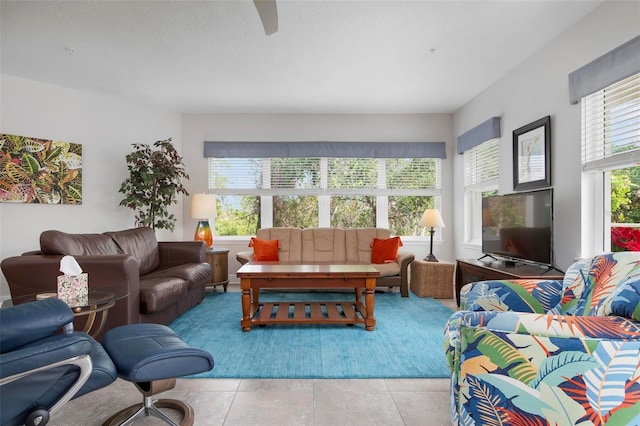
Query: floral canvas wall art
(40,171)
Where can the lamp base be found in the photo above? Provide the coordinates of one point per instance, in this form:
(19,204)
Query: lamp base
(203,233)
(430,258)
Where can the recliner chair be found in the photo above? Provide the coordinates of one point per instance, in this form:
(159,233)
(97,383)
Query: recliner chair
(42,369)
(560,352)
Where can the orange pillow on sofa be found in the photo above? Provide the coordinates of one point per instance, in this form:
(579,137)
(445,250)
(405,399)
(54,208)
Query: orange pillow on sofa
(385,250)
(264,250)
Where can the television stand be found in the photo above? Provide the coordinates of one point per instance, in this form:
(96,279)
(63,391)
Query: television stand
(488,255)
(471,270)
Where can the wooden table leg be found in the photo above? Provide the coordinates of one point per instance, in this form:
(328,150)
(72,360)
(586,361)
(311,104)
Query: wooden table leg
(369,300)
(245,322)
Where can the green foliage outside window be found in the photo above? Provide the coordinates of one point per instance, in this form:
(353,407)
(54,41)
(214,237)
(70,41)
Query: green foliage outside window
(295,185)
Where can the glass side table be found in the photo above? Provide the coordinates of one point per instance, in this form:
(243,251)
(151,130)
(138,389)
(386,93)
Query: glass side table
(96,310)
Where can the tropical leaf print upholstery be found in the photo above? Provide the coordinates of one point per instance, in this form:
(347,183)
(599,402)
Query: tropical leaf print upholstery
(567,352)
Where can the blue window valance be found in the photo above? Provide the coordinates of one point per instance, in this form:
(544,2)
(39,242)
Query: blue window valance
(486,131)
(325,149)
(613,66)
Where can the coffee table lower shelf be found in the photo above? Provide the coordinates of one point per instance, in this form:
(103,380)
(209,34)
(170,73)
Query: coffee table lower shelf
(333,312)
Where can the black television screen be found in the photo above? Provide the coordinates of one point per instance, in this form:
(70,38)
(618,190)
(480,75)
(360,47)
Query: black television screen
(519,226)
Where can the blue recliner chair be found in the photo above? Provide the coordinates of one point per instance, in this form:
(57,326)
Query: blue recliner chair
(42,369)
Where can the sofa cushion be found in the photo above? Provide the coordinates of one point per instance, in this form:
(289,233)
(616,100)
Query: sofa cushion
(290,240)
(141,243)
(264,250)
(56,243)
(385,250)
(324,245)
(387,269)
(156,293)
(193,273)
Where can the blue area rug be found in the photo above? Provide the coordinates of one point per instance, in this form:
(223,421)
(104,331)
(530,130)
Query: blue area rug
(407,341)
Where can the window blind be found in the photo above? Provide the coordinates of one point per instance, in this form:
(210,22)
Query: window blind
(481,163)
(412,173)
(611,126)
(233,175)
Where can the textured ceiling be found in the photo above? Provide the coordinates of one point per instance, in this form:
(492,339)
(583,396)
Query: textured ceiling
(327,57)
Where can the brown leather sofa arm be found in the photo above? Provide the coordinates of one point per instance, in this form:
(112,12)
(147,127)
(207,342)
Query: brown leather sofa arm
(31,274)
(174,253)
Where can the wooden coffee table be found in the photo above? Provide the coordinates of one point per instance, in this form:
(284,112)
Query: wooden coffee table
(257,275)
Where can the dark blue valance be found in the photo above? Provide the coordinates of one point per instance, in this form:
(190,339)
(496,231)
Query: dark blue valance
(325,149)
(486,131)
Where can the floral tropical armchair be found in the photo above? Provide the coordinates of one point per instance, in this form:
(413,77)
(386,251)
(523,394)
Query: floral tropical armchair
(544,352)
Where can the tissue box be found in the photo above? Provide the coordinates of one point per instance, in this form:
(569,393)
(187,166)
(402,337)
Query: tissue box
(74,290)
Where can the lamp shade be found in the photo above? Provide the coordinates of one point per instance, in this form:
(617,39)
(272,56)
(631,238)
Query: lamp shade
(203,206)
(432,218)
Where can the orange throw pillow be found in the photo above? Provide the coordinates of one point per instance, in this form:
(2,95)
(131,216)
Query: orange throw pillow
(385,250)
(264,250)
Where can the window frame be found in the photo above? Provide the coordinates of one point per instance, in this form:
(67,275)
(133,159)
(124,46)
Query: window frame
(382,193)
(475,184)
(596,172)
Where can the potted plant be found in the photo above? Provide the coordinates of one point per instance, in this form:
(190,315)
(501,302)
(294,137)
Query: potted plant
(154,182)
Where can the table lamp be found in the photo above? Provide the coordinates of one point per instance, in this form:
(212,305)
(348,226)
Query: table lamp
(203,208)
(430,219)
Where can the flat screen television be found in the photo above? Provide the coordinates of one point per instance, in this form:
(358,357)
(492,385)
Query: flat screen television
(519,227)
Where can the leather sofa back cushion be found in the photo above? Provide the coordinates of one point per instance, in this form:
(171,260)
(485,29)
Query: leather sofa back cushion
(323,245)
(60,243)
(358,242)
(141,243)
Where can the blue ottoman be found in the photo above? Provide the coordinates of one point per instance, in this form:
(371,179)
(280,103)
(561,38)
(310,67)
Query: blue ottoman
(152,356)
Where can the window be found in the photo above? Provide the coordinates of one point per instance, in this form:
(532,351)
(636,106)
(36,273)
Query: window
(311,192)
(611,152)
(481,173)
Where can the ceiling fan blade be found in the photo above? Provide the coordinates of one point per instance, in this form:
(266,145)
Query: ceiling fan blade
(268,11)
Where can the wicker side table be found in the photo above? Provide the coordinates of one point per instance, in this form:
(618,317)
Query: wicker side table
(432,279)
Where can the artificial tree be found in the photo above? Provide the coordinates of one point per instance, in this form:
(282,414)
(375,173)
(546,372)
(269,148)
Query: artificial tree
(154,182)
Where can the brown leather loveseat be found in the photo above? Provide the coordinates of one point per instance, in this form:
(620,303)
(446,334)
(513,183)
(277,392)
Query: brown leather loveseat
(154,281)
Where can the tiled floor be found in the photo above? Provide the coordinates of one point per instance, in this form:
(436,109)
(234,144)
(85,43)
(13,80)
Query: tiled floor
(281,402)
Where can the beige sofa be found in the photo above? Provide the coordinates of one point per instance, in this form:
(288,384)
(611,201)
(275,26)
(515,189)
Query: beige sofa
(337,245)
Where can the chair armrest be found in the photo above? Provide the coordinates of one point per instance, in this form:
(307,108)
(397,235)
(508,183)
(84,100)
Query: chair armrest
(244,256)
(522,295)
(547,325)
(43,353)
(174,253)
(544,367)
(30,322)
(404,259)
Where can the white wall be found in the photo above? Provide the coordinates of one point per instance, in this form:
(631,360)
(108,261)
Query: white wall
(315,127)
(106,128)
(535,89)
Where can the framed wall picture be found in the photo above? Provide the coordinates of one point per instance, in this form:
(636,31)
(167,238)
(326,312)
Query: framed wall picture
(532,155)
(40,171)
